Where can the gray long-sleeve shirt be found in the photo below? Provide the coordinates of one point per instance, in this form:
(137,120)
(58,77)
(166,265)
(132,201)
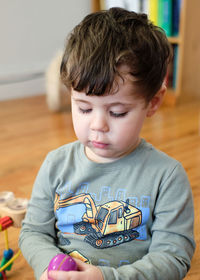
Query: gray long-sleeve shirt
(133,217)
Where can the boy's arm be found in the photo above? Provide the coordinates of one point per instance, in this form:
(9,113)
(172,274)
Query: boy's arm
(172,245)
(37,237)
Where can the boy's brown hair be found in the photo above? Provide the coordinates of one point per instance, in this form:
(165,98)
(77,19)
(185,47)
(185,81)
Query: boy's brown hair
(107,39)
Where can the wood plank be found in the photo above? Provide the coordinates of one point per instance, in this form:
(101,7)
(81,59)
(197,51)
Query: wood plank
(29,131)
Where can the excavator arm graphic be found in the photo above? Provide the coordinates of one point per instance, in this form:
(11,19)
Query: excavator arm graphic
(105,225)
(86,199)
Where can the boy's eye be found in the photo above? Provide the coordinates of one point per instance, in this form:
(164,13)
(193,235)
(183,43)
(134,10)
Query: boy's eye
(118,115)
(85,111)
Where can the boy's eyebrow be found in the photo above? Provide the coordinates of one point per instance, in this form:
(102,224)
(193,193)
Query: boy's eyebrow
(81,100)
(118,104)
(108,104)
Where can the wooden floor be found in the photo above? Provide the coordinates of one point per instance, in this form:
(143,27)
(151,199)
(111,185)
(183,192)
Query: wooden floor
(28,131)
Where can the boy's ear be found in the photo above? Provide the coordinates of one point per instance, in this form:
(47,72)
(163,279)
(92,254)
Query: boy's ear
(156,101)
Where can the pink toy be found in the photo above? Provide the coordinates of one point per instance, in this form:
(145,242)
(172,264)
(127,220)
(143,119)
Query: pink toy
(62,262)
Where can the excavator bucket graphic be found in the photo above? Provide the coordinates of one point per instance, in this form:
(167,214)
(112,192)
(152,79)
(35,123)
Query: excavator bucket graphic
(106,225)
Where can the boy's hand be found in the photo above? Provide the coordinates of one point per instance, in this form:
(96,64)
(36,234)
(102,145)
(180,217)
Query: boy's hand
(44,275)
(85,271)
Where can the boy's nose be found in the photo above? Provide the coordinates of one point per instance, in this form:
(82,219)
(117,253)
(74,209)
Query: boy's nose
(99,123)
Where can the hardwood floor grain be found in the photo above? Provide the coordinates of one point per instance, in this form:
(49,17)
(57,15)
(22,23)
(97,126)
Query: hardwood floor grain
(28,131)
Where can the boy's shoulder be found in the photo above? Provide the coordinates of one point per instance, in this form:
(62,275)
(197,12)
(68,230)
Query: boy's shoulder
(159,164)
(156,156)
(64,151)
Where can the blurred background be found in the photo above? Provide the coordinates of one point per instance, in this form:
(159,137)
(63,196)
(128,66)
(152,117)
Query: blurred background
(32,31)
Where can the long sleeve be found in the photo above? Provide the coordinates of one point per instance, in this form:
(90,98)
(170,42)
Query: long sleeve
(147,180)
(38,237)
(172,244)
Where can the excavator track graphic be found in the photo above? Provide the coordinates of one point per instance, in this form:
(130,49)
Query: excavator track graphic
(111,240)
(106,225)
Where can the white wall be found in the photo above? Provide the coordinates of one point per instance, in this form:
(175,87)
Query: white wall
(31,32)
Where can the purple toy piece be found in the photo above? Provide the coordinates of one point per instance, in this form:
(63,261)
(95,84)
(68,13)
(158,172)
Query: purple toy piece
(62,262)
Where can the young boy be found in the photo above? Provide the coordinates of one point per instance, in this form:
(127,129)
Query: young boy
(112,201)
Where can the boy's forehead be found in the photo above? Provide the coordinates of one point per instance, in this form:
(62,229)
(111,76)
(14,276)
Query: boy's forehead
(123,91)
(123,86)
(124,69)
(124,81)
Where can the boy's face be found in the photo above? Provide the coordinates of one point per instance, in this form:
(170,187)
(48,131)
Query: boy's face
(109,126)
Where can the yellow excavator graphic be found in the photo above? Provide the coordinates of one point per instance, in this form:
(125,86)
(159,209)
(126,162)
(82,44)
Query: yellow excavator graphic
(105,225)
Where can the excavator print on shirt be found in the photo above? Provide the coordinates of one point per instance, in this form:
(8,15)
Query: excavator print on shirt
(103,226)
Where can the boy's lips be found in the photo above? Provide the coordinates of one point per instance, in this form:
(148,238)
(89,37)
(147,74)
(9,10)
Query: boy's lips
(99,145)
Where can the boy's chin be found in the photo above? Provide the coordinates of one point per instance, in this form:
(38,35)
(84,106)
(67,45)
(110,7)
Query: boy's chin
(99,155)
